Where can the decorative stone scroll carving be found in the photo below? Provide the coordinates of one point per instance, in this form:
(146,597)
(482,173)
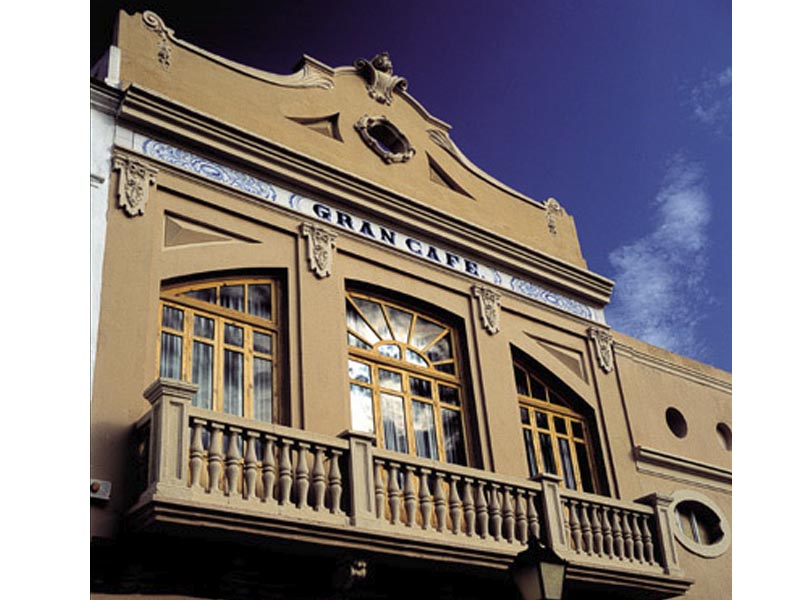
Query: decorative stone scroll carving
(135,179)
(552,210)
(348,572)
(319,248)
(386,140)
(154,23)
(380,80)
(489,306)
(604,344)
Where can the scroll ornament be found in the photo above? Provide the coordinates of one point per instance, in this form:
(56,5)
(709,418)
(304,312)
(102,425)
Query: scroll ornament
(319,248)
(135,179)
(603,343)
(380,80)
(154,23)
(489,307)
(552,210)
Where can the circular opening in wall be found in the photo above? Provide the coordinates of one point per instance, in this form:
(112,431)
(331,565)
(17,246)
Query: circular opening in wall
(699,525)
(725,436)
(676,422)
(387,139)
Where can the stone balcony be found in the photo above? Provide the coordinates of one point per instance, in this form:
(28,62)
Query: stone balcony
(208,471)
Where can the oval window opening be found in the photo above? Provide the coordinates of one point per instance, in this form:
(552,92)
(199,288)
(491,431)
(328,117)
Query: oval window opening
(386,139)
(699,523)
(676,422)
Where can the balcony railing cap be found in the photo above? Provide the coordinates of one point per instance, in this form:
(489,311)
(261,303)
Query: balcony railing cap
(169,387)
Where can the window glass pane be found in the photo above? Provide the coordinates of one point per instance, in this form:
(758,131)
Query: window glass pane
(449,395)
(374,314)
(206,295)
(420,387)
(204,327)
(577,429)
(361,408)
(425,430)
(584,468)
(233,392)
(262,342)
(561,426)
(547,453)
(259,300)
(172,318)
(401,323)
(394,423)
(359,371)
(203,372)
(449,367)
(390,380)
(521,379)
(354,341)
(441,350)
(556,399)
(424,332)
(453,439)
(390,350)
(537,389)
(530,451)
(541,420)
(262,389)
(415,358)
(524,415)
(566,463)
(359,325)
(234,335)
(232,296)
(171,355)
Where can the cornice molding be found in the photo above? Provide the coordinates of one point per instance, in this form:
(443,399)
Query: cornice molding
(676,465)
(160,114)
(622,349)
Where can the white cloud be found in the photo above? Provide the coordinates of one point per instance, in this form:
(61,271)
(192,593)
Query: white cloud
(660,295)
(711,101)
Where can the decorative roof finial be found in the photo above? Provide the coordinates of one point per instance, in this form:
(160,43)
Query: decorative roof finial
(380,79)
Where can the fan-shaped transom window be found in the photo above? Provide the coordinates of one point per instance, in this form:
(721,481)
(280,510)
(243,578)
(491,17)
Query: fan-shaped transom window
(222,336)
(556,436)
(404,377)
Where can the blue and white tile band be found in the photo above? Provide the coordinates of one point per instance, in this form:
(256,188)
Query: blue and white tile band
(347,221)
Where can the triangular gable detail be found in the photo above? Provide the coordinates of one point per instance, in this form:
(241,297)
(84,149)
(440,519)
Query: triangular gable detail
(180,232)
(327,126)
(438,175)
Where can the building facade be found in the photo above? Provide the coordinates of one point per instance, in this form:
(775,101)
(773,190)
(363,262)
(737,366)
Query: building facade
(332,358)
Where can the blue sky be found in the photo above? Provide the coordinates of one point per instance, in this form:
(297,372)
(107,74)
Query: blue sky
(620,109)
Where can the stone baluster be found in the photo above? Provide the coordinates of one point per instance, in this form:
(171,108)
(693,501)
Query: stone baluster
(586,527)
(410,497)
(608,537)
(394,494)
(439,502)
(318,479)
(455,505)
(647,537)
(215,458)
(469,508)
(285,472)
(627,535)
(196,451)
(481,510)
(335,482)
(521,517)
(425,500)
(268,468)
(597,534)
(495,519)
(508,515)
(380,491)
(534,527)
(250,466)
(232,458)
(619,543)
(638,545)
(301,475)
(575,526)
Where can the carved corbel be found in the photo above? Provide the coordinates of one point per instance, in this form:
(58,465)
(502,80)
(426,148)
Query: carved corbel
(380,80)
(320,244)
(154,23)
(604,344)
(135,179)
(489,307)
(552,210)
(348,572)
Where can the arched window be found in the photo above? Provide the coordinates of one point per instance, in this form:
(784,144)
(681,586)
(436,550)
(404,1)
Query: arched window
(221,335)
(405,377)
(557,438)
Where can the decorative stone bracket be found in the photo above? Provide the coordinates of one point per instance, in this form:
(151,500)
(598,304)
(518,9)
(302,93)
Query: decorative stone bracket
(135,179)
(552,210)
(604,344)
(380,80)
(154,23)
(320,247)
(489,307)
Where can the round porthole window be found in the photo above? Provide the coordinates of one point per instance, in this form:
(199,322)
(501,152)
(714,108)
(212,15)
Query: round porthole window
(699,525)
(386,140)
(676,422)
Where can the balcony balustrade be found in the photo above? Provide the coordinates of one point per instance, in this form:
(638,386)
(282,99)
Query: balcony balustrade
(216,470)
